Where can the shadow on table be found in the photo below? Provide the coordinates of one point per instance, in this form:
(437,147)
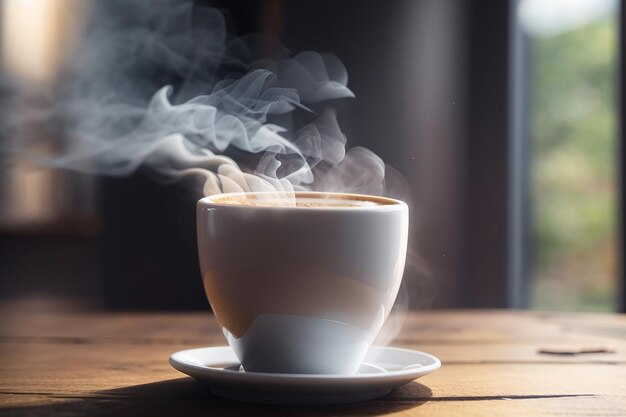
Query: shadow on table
(187,397)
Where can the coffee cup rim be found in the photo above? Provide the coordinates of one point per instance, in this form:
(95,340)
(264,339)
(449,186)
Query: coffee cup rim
(389,204)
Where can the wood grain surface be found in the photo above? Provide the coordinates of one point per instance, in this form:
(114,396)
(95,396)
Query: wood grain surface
(115,364)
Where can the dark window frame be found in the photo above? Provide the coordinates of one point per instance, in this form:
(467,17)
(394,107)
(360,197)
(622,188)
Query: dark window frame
(622,149)
(486,241)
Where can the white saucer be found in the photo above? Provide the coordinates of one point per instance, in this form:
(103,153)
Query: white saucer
(385,368)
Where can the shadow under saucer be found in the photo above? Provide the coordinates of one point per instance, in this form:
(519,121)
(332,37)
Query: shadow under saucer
(188,397)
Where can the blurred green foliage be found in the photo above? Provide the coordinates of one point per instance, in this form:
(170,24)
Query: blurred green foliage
(574,169)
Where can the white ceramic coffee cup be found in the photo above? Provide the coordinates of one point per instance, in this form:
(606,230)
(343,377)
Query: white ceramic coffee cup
(302,289)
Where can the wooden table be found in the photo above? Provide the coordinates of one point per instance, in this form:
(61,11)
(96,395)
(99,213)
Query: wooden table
(102,364)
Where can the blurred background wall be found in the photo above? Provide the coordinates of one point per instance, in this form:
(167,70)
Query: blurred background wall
(502,116)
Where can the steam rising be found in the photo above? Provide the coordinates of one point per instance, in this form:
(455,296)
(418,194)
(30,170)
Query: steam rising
(160,84)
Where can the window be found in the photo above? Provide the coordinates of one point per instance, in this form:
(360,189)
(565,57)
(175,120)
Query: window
(571,59)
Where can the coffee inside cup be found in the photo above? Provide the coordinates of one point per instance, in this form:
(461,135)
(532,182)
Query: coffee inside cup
(303,200)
